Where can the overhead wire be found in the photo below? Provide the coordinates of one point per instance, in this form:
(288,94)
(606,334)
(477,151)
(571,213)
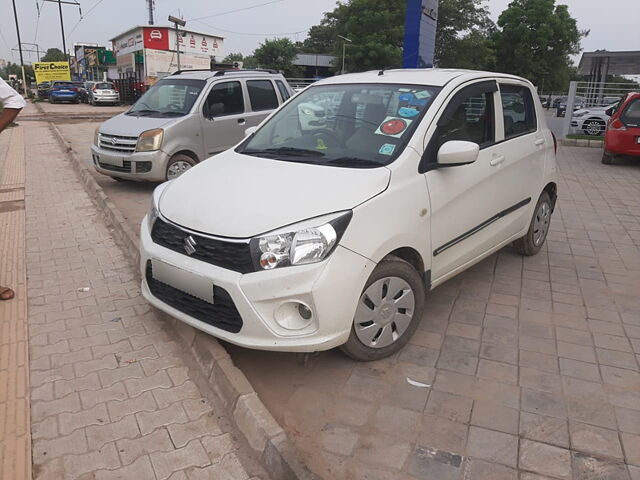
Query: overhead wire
(82,17)
(250,7)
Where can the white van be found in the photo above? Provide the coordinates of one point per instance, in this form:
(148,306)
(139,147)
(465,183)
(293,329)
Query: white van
(315,233)
(184,119)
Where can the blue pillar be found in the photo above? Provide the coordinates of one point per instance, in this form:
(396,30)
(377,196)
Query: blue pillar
(420,33)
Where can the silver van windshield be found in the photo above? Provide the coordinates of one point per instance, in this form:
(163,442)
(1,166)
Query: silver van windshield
(167,98)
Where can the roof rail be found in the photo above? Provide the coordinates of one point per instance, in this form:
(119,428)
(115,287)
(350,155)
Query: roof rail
(219,73)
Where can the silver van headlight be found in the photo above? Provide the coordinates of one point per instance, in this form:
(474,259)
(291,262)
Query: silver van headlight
(307,242)
(150,141)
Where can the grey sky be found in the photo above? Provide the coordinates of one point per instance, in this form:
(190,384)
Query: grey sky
(613,24)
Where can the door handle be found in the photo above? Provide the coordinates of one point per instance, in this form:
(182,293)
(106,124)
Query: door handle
(539,141)
(242,121)
(497,160)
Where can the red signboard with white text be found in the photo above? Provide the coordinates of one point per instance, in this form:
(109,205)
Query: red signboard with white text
(156,38)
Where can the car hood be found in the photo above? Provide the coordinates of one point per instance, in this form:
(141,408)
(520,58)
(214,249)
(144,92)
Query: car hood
(131,126)
(241,196)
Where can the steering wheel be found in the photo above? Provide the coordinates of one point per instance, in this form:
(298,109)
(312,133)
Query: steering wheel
(328,135)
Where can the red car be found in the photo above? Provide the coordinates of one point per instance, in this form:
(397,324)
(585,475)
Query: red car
(622,136)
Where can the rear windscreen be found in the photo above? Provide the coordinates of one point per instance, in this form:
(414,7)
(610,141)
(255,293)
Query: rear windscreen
(631,115)
(104,86)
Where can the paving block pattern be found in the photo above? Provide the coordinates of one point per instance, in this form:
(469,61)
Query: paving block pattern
(15,435)
(111,394)
(532,363)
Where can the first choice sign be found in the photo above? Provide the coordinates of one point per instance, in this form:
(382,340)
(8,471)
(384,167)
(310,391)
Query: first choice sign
(51,71)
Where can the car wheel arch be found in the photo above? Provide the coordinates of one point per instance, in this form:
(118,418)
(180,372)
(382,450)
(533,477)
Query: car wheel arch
(188,153)
(552,189)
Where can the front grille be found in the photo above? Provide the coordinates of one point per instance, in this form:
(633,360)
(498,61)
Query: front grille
(126,167)
(234,256)
(143,167)
(118,143)
(222,314)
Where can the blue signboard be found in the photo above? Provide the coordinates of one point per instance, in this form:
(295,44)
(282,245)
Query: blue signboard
(420,33)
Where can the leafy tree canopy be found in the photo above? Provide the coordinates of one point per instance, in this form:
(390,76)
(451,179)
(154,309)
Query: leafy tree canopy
(247,62)
(535,40)
(278,54)
(53,55)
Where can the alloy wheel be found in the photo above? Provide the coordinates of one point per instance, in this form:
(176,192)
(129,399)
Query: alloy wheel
(177,168)
(541,223)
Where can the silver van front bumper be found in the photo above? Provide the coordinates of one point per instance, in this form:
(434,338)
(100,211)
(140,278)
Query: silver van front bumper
(141,166)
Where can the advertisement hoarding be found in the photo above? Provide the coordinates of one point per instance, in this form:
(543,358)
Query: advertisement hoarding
(420,33)
(50,71)
(156,38)
(160,63)
(128,43)
(197,43)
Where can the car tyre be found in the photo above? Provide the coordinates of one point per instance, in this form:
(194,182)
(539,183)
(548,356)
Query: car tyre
(533,241)
(607,158)
(594,128)
(178,164)
(388,313)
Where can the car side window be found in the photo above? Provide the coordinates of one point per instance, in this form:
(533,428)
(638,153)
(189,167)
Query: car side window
(519,111)
(225,98)
(631,115)
(472,121)
(284,93)
(262,95)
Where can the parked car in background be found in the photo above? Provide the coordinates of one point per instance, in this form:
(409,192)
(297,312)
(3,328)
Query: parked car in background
(622,136)
(63,91)
(590,121)
(43,90)
(578,103)
(102,93)
(88,86)
(184,119)
(305,239)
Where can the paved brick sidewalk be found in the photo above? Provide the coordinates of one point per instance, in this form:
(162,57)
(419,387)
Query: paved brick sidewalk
(111,395)
(15,439)
(533,362)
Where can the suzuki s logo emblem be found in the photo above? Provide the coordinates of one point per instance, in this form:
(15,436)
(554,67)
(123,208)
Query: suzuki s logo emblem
(114,141)
(190,245)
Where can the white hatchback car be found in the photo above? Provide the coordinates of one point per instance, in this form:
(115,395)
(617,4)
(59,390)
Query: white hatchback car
(313,235)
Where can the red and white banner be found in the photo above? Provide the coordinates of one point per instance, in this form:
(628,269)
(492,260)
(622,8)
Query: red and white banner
(156,38)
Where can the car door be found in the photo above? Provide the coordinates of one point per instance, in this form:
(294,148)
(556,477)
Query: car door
(223,116)
(521,172)
(263,100)
(465,199)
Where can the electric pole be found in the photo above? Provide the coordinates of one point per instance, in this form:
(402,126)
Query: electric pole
(67,2)
(151,5)
(24,77)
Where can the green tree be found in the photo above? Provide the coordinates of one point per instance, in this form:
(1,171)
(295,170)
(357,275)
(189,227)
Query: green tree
(54,55)
(278,54)
(247,62)
(464,35)
(535,40)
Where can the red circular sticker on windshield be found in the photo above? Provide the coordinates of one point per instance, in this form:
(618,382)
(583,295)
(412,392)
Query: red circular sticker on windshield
(393,126)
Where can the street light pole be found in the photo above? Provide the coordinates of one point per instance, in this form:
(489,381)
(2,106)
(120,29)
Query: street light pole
(24,77)
(344,50)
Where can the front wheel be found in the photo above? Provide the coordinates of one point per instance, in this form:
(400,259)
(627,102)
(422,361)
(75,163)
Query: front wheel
(388,313)
(532,242)
(178,164)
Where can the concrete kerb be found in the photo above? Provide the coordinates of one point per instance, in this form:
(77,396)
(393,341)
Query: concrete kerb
(581,142)
(250,416)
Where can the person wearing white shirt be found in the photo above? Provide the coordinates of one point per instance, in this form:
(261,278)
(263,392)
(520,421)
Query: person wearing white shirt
(12,103)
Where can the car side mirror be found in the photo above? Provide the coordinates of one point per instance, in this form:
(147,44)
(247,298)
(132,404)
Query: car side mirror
(609,111)
(250,131)
(458,152)
(215,110)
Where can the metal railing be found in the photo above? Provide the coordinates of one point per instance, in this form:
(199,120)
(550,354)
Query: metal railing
(300,83)
(587,106)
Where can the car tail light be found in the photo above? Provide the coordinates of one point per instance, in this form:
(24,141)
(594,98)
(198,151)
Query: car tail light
(555,143)
(617,125)
(74,89)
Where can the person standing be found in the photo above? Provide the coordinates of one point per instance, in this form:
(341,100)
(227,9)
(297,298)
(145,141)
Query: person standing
(12,102)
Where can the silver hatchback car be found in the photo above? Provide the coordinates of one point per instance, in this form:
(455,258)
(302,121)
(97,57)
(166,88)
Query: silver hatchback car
(184,119)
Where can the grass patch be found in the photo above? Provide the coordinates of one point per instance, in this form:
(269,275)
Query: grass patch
(586,137)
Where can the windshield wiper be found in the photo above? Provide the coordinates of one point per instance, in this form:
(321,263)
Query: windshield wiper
(179,114)
(287,151)
(355,162)
(143,112)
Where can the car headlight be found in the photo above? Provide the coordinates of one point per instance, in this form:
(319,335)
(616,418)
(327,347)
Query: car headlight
(96,137)
(154,209)
(150,140)
(307,242)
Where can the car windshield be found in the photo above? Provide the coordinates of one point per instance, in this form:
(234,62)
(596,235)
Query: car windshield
(358,126)
(104,86)
(168,97)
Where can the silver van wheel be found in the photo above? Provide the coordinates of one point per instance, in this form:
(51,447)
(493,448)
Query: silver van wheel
(179,164)
(384,313)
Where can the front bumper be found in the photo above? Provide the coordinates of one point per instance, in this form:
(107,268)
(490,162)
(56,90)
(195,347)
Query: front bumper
(331,289)
(141,166)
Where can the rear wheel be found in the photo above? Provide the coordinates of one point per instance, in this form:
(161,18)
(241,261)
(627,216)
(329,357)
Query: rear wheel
(532,242)
(178,164)
(388,313)
(607,158)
